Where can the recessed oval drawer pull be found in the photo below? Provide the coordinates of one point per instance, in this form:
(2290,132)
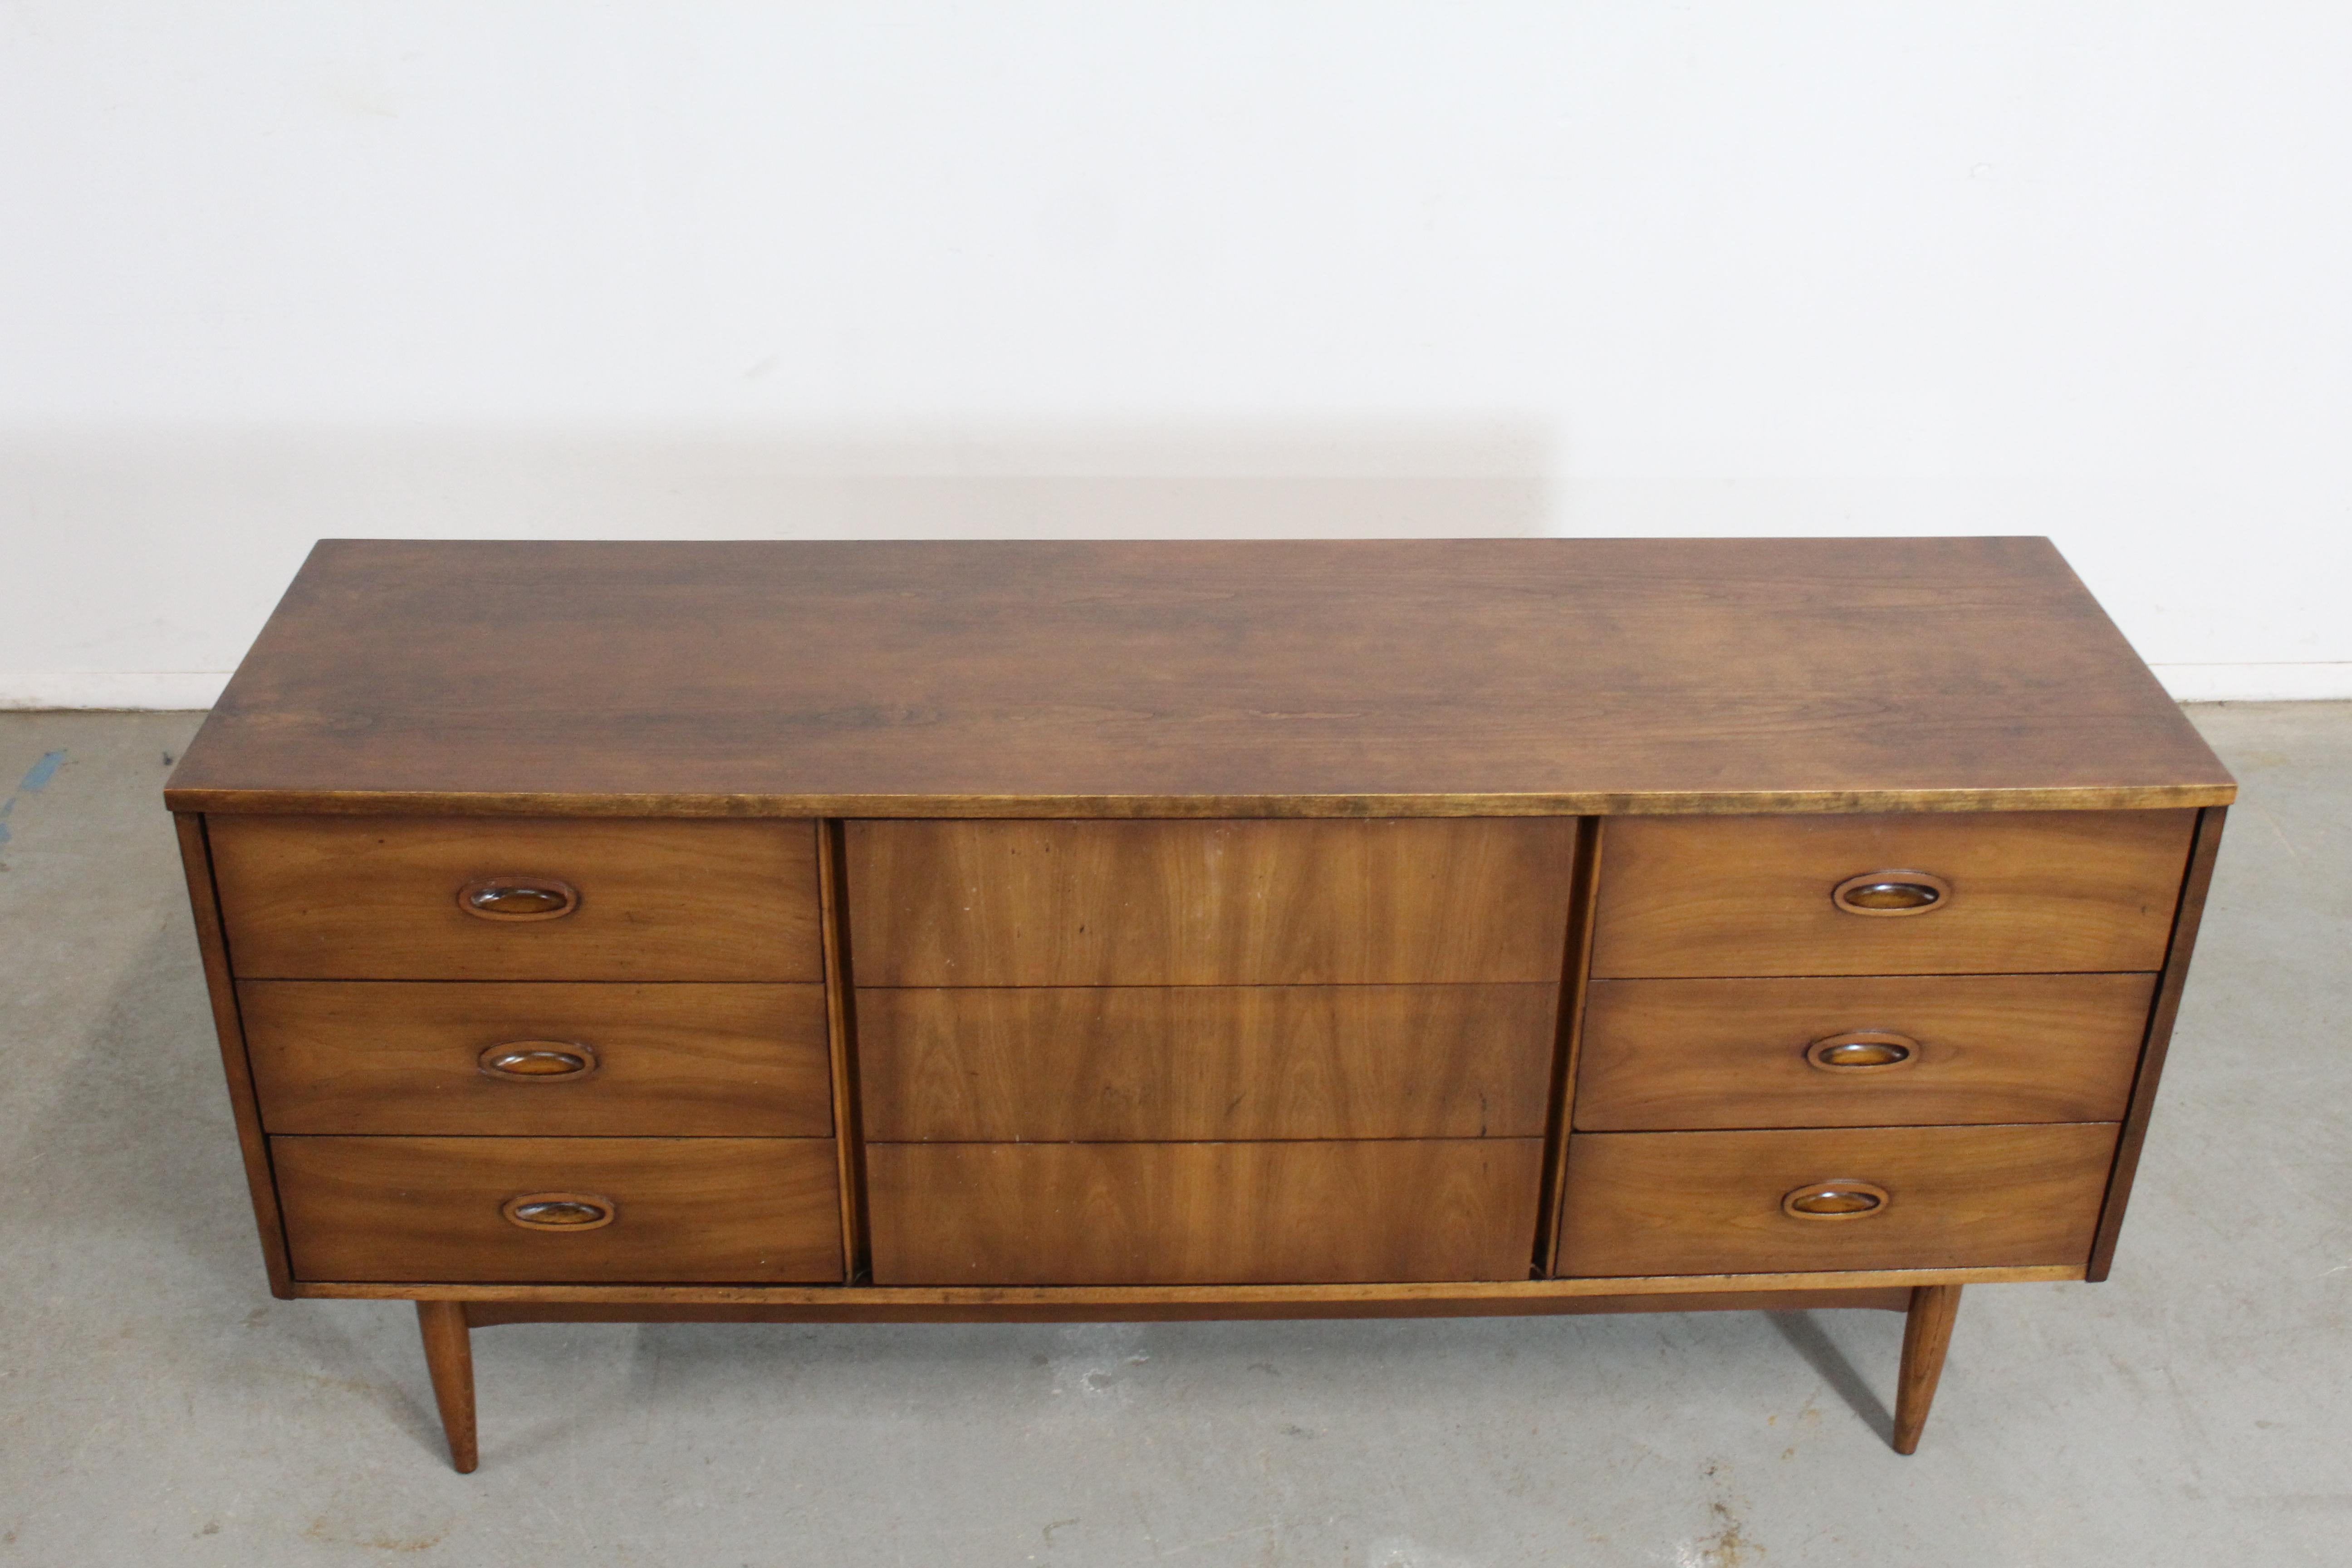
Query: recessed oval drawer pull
(539,1061)
(559,1211)
(1838,1198)
(1892,894)
(518,898)
(1862,1050)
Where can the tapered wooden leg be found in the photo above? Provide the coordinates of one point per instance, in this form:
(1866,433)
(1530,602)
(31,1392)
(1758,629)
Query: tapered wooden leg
(1926,1335)
(449,1355)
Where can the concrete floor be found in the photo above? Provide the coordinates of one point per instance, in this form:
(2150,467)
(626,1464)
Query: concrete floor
(157,1408)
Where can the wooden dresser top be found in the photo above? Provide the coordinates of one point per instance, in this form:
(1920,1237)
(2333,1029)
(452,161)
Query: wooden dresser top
(1393,677)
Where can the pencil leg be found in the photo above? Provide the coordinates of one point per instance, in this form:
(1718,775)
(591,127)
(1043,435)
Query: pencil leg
(449,1355)
(1926,1335)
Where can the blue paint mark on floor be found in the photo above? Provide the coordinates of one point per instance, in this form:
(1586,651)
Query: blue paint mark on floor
(39,774)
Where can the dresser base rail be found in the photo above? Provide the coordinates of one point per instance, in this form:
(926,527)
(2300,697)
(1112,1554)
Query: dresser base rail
(1438,1298)
(446,1320)
(488,1314)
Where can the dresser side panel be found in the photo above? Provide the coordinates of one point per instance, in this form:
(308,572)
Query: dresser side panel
(2195,886)
(229,1028)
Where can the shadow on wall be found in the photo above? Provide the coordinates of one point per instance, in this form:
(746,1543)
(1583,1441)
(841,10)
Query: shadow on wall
(139,562)
(138,557)
(265,489)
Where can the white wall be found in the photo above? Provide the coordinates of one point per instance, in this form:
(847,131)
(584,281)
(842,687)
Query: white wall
(393,267)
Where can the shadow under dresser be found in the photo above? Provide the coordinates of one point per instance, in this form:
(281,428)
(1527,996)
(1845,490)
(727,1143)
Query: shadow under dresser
(949,931)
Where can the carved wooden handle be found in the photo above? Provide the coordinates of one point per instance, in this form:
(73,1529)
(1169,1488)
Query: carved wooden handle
(1862,1050)
(559,1211)
(539,1061)
(519,896)
(1892,894)
(1837,1199)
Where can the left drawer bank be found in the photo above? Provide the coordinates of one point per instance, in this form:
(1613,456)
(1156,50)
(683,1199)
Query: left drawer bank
(537,1050)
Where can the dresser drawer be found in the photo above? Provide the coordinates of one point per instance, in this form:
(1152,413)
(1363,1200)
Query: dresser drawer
(1208,903)
(1873,1052)
(337,898)
(2004,893)
(1202,1214)
(539,1058)
(461,1210)
(1721,1203)
(1206,1062)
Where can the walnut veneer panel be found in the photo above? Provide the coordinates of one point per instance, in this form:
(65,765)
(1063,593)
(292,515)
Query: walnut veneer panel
(1099,1214)
(685,1210)
(1751,895)
(1157,678)
(357,897)
(407,1057)
(1680,1054)
(1710,1203)
(1206,1062)
(1208,903)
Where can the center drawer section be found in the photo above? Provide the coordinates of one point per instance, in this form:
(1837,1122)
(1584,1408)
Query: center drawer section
(1205,1062)
(1203,1214)
(1206,1052)
(1209,903)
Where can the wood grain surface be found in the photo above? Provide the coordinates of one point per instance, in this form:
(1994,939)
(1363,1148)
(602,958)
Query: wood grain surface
(1751,896)
(2175,979)
(376,899)
(449,1362)
(1208,903)
(1927,1336)
(1082,1214)
(404,1056)
(1688,1054)
(1709,1203)
(688,1209)
(1575,983)
(1157,678)
(1199,1062)
(228,1034)
(908,1305)
(849,1134)
(1405,1298)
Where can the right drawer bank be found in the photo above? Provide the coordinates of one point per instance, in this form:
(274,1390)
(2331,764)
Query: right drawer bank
(1900,1041)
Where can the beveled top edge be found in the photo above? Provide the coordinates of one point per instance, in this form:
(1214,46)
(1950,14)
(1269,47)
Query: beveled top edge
(369,802)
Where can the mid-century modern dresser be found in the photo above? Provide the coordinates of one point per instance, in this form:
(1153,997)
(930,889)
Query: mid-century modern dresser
(1061,931)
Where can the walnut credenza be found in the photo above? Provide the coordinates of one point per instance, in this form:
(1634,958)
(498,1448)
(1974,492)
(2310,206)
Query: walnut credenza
(898,931)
